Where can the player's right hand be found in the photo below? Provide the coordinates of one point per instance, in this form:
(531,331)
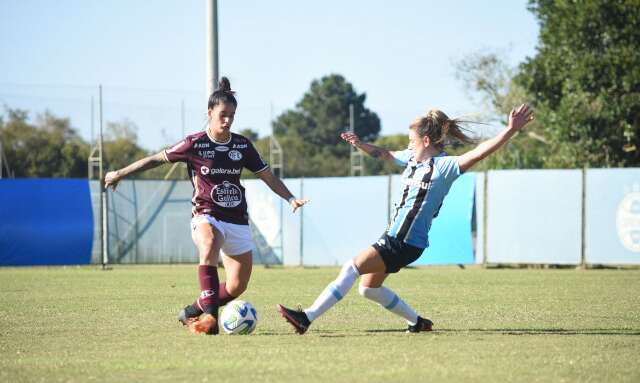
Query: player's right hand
(351,138)
(111,180)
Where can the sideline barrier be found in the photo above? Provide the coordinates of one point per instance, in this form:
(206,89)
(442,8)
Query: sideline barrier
(450,237)
(348,214)
(533,217)
(45,222)
(612,216)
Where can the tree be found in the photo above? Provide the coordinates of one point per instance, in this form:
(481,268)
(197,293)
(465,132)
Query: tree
(50,148)
(250,134)
(310,133)
(585,81)
(487,74)
(121,149)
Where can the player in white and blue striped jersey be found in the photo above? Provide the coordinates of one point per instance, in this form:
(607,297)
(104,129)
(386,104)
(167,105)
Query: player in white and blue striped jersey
(428,176)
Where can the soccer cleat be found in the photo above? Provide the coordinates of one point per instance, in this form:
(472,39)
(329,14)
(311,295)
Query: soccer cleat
(298,319)
(423,324)
(208,324)
(188,315)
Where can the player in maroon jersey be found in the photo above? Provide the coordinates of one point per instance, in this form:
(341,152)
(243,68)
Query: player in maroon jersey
(215,158)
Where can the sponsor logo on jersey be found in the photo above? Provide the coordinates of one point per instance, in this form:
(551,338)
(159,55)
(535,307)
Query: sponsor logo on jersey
(201,145)
(176,147)
(240,146)
(416,183)
(225,171)
(226,194)
(235,155)
(206,154)
(381,242)
(204,170)
(222,148)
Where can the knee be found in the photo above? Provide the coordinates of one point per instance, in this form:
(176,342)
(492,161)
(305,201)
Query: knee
(367,292)
(236,287)
(375,294)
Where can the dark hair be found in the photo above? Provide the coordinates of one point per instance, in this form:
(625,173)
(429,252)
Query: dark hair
(223,94)
(440,129)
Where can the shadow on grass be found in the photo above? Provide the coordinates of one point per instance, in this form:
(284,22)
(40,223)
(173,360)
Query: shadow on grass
(315,332)
(527,331)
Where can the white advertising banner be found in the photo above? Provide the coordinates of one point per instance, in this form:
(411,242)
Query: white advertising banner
(613,216)
(534,216)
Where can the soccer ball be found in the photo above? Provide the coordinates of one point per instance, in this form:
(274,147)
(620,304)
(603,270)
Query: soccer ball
(239,317)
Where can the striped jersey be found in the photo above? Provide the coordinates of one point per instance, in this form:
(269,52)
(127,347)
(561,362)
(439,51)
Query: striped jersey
(425,184)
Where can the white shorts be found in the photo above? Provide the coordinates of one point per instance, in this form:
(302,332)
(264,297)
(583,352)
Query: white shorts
(236,238)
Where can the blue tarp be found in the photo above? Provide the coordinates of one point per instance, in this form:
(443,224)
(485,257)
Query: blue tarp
(450,239)
(45,222)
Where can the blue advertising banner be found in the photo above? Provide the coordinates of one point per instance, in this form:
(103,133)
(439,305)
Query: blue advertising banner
(45,222)
(450,240)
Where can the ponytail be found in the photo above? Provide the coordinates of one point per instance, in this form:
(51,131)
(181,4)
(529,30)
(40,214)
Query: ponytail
(223,94)
(441,130)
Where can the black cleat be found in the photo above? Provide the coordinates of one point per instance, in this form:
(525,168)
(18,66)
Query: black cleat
(188,315)
(423,324)
(298,319)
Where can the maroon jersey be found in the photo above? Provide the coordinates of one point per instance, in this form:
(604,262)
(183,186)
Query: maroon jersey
(215,168)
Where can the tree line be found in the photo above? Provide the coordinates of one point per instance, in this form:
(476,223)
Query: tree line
(583,81)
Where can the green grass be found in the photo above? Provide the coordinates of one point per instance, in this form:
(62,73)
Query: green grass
(84,324)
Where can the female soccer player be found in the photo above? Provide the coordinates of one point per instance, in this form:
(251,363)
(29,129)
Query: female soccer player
(427,178)
(215,158)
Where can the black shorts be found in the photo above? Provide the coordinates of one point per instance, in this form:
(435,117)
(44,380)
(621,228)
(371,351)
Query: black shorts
(395,253)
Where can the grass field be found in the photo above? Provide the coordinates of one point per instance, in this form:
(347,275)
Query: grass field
(84,324)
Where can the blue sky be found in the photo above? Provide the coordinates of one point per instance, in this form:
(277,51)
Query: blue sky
(150,57)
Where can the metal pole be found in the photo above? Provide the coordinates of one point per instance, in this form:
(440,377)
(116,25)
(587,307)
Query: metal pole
(182,116)
(92,123)
(357,162)
(301,225)
(485,218)
(103,194)
(212,45)
(280,229)
(583,219)
(352,124)
(389,198)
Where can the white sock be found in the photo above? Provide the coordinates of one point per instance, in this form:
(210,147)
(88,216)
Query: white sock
(334,291)
(390,301)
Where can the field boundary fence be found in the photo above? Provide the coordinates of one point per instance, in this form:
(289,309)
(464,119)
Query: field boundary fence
(533,217)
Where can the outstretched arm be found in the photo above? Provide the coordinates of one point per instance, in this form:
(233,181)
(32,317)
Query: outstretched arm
(280,188)
(111,179)
(372,150)
(518,118)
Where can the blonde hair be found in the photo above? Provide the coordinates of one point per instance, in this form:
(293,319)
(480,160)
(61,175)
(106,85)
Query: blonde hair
(440,129)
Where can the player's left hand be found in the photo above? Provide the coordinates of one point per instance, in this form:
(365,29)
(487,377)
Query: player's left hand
(297,203)
(520,116)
